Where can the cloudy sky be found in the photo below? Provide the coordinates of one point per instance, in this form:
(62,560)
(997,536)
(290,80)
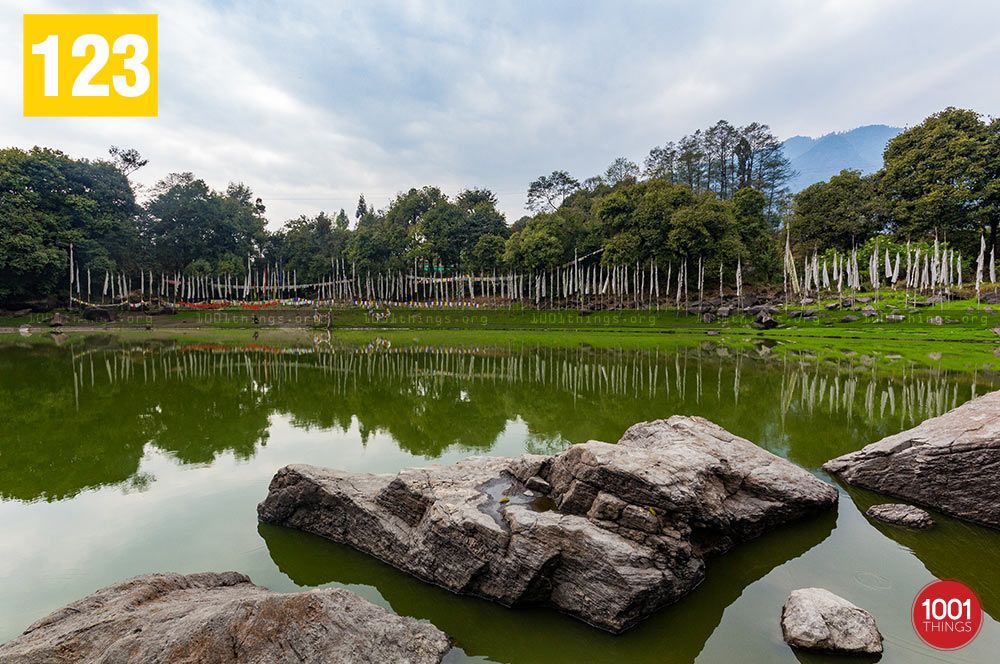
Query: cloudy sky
(311,102)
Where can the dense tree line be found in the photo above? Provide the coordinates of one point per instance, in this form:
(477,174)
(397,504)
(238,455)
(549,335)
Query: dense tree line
(718,196)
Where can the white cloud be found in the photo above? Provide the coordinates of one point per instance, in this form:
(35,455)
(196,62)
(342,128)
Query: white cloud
(312,103)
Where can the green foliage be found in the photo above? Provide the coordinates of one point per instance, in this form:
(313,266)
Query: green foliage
(548,192)
(536,247)
(49,201)
(187,221)
(840,213)
(942,176)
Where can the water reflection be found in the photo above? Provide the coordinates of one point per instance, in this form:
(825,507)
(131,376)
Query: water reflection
(120,459)
(74,419)
(483,628)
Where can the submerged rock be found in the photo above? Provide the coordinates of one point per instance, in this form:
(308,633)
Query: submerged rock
(222,617)
(623,530)
(944,463)
(898,514)
(816,619)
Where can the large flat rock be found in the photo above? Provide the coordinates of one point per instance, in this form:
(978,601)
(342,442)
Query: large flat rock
(222,618)
(950,463)
(615,532)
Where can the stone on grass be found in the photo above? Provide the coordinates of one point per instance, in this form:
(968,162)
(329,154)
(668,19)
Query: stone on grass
(764,321)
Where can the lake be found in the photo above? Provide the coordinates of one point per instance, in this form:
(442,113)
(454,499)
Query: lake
(119,458)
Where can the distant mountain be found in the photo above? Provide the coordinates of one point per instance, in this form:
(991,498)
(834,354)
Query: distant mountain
(817,159)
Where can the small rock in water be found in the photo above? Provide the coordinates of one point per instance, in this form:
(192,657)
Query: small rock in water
(816,619)
(57,320)
(850,318)
(898,514)
(712,333)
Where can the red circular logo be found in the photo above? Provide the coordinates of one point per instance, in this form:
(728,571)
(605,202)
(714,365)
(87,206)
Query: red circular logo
(947,614)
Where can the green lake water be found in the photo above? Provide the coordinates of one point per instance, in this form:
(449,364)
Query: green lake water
(121,458)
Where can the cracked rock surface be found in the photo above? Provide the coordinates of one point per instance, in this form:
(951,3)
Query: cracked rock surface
(223,618)
(950,463)
(897,514)
(816,619)
(606,533)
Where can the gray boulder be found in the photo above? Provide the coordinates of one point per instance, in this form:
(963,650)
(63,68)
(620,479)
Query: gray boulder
(936,320)
(816,619)
(623,530)
(222,617)
(57,320)
(764,321)
(942,463)
(898,514)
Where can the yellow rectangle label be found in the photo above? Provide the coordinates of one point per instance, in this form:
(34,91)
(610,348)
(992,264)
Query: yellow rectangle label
(90,65)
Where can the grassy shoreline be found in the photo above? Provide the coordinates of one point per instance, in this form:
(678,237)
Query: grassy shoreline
(961,320)
(956,346)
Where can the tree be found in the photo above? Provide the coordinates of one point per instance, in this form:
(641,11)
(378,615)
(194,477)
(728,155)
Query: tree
(126,160)
(662,163)
(701,230)
(758,250)
(362,208)
(941,176)
(488,253)
(187,220)
(621,170)
(548,191)
(49,201)
(536,247)
(836,214)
